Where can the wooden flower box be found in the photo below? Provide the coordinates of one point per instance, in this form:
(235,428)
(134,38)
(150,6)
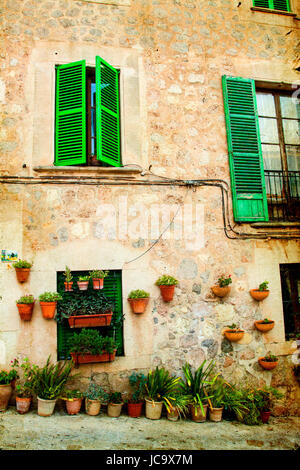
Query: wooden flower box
(89,358)
(84,321)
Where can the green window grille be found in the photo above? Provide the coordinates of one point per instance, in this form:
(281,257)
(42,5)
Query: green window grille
(282,5)
(249,198)
(112,290)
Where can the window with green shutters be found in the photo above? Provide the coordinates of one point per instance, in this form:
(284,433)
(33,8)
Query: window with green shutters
(112,290)
(244,149)
(282,5)
(87,115)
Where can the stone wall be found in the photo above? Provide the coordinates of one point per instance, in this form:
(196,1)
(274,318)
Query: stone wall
(172,54)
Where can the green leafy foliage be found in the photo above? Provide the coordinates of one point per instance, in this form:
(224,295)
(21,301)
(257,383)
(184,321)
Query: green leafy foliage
(161,386)
(83,278)
(115,397)
(8,376)
(91,342)
(26,299)
(91,303)
(138,294)
(98,274)
(265,396)
(166,280)
(224,281)
(68,274)
(234,326)
(263,286)
(270,358)
(24,386)
(137,382)
(68,394)
(21,263)
(50,297)
(96,392)
(195,383)
(266,321)
(49,381)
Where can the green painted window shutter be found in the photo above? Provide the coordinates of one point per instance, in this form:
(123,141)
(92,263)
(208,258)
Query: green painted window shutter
(107,113)
(70,114)
(283,5)
(244,149)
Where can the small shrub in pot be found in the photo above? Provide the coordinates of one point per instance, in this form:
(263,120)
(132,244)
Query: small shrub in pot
(138,300)
(167,285)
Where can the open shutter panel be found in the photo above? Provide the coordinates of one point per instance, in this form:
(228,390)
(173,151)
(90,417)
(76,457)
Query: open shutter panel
(244,149)
(70,114)
(283,5)
(107,113)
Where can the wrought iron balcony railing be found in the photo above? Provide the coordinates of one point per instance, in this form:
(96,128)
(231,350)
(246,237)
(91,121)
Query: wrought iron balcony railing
(283,193)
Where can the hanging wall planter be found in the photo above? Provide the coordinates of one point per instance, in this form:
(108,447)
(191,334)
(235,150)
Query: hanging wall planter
(98,278)
(223,288)
(25,306)
(68,280)
(48,303)
(89,321)
(83,282)
(138,300)
(268,362)
(80,358)
(234,333)
(89,346)
(264,325)
(22,268)
(261,293)
(167,287)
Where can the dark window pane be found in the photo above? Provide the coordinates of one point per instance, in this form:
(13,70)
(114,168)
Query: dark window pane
(290,287)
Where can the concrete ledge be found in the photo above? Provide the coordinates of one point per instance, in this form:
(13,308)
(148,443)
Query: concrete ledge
(278,12)
(275,224)
(90,170)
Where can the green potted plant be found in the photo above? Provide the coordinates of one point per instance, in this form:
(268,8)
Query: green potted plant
(85,311)
(268,362)
(48,382)
(138,300)
(179,406)
(137,382)
(68,280)
(222,288)
(234,333)
(6,379)
(264,398)
(217,392)
(167,285)
(261,293)
(25,306)
(264,325)
(160,386)
(235,402)
(24,386)
(83,282)
(89,346)
(73,400)
(115,404)
(22,268)
(94,397)
(97,277)
(194,385)
(48,303)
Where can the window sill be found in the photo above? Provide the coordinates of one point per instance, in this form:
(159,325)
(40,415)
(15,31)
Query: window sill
(277,12)
(275,224)
(88,170)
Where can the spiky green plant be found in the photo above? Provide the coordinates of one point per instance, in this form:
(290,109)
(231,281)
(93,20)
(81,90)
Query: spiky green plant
(195,384)
(161,386)
(48,382)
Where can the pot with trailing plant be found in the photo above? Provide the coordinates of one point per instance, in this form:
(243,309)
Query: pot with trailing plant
(167,286)
(264,325)
(6,379)
(90,346)
(97,277)
(138,300)
(137,382)
(86,311)
(261,293)
(94,397)
(115,404)
(73,400)
(234,333)
(24,386)
(160,386)
(222,288)
(264,398)
(48,303)
(68,280)
(22,268)
(194,385)
(268,362)
(83,282)
(25,306)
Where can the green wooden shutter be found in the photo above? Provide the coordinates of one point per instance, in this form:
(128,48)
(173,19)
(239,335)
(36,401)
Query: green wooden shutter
(283,5)
(70,114)
(107,113)
(244,149)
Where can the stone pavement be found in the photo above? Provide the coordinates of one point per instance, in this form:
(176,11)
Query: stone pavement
(83,432)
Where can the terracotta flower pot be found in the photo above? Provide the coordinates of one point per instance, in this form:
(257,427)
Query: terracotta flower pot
(234,335)
(264,327)
(48,309)
(83,285)
(25,311)
(22,274)
(135,409)
(92,407)
(114,409)
(221,291)
(98,283)
(5,394)
(259,294)
(266,364)
(265,415)
(173,414)
(23,405)
(215,414)
(153,409)
(138,305)
(85,321)
(68,286)
(45,407)
(167,292)
(197,414)
(89,358)
(73,406)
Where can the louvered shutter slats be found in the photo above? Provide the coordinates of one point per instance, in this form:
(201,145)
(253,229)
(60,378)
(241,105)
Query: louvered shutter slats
(283,5)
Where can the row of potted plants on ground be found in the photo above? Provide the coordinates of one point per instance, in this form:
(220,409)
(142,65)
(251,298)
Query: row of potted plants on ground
(197,394)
